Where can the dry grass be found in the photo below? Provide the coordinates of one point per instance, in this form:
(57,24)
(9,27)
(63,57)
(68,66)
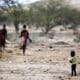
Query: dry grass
(4,55)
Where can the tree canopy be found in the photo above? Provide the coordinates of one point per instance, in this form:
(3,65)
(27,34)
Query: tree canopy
(53,13)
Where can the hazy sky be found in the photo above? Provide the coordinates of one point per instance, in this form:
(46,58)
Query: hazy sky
(75,1)
(26,1)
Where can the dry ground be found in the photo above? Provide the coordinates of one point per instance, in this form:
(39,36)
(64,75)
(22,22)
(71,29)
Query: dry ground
(41,62)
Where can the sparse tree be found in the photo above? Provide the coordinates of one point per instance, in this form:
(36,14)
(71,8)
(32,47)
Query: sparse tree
(15,11)
(47,16)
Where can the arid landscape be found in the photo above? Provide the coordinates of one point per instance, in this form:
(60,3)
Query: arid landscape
(54,31)
(45,59)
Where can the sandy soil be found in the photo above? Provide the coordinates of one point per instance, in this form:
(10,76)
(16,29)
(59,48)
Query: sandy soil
(41,62)
(44,60)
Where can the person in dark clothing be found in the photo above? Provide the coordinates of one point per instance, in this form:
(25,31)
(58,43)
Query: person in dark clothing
(73,62)
(4,32)
(1,40)
(25,34)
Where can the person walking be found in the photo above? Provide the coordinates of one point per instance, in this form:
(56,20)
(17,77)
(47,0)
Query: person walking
(4,32)
(24,37)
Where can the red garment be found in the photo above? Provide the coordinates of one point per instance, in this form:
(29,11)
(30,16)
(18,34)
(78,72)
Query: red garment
(25,34)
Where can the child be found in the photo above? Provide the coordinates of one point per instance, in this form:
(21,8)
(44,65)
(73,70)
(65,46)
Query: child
(73,62)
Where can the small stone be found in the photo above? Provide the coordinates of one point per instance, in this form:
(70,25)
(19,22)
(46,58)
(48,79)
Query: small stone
(50,47)
(42,44)
(39,49)
(50,60)
(46,70)
(24,61)
(9,51)
(69,78)
(61,78)
(12,71)
(1,78)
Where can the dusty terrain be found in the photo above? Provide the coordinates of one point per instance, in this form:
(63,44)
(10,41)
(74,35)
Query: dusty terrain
(44,60)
